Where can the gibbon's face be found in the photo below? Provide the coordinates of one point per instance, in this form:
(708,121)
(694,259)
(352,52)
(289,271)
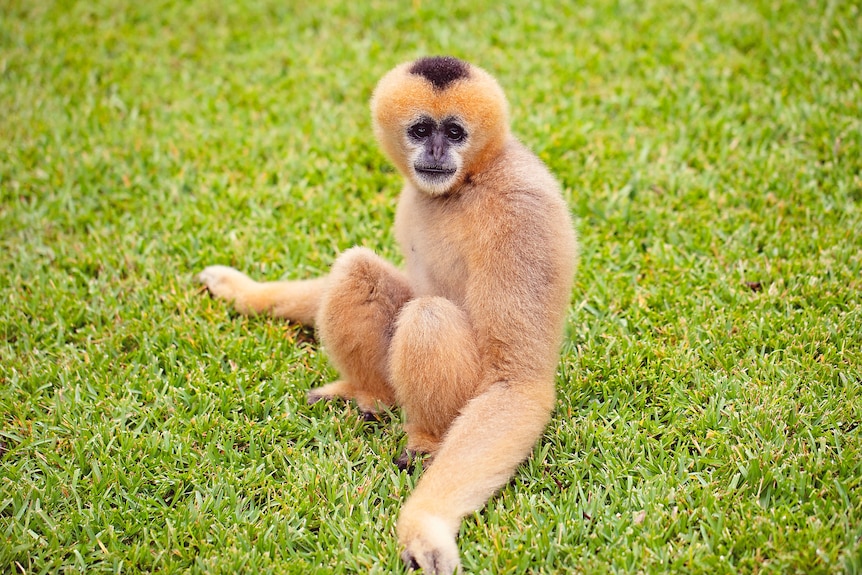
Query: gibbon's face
(435,151)
(439,120)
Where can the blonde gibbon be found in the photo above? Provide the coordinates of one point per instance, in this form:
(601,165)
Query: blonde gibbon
(466,338)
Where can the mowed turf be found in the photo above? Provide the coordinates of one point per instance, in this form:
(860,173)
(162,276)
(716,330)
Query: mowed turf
(710,384)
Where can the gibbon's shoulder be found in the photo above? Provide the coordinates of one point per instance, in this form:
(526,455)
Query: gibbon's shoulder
(519,173)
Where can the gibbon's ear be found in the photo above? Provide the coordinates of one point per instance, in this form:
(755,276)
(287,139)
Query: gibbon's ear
(440,89)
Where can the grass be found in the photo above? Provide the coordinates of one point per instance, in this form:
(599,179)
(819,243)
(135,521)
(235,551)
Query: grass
(710,387)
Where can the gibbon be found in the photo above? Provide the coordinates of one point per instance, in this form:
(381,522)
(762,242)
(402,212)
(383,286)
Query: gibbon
(466,338)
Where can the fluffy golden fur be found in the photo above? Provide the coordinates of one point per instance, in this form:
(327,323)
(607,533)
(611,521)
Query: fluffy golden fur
(465,339)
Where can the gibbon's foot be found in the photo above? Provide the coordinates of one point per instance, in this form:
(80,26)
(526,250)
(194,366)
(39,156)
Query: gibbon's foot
(429,544)
(369,405)
(371,417)
(329,391)
(312,396)
(404,462)
(224,282)
(408,459)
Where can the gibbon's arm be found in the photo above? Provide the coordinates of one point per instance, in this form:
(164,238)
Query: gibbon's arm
(482,449)
(484,446)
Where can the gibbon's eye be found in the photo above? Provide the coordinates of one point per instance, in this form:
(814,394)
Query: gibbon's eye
(455,132)
(421,130)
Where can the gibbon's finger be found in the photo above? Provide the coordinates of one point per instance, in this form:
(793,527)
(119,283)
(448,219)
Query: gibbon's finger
(429,544)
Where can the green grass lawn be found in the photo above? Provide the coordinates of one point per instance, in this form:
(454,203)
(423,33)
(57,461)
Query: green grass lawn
(710,386)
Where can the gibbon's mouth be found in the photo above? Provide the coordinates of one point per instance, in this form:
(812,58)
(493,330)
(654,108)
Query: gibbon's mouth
(434,171)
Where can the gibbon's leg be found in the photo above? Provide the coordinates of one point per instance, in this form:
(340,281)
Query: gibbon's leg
(294,300)
(493,435)
(434,365)
(355,323)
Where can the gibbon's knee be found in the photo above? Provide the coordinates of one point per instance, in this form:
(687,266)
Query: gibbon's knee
(363,296)
(434,366)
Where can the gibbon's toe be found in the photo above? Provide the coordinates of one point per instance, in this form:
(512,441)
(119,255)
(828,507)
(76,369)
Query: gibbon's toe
(404,462)
(371,417)
(220,281)
(409,458)
(312,396)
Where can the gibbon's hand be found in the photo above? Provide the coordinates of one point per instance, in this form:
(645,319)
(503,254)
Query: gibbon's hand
(428,543)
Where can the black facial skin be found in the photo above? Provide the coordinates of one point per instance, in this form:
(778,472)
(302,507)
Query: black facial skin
(436,161)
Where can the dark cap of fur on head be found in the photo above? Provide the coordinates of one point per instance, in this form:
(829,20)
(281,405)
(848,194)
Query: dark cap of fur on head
(441,71)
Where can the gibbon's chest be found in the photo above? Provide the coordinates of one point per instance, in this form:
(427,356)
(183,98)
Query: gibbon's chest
(431,237)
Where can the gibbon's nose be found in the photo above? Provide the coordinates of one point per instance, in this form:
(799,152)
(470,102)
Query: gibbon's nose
(438,146)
